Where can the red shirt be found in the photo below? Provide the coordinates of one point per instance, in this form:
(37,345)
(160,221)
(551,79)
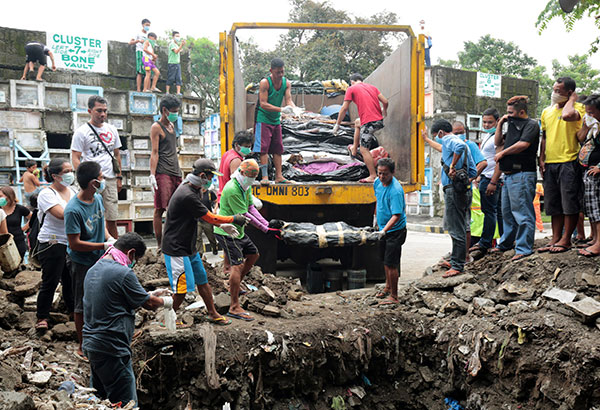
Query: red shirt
(365,97)
(224,168)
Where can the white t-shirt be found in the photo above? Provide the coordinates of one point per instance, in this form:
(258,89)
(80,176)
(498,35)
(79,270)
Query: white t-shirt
(53,229)
(143,37)
(488,149)
(2,215)
(86,142)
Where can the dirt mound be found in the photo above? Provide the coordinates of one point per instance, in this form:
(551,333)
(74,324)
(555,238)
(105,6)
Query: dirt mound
(503,335)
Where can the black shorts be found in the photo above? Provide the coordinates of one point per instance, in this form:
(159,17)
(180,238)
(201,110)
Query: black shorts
(35,53)
(367,134)
(174,74)
(563,192)
(390,247)
(236,249)
(78,272)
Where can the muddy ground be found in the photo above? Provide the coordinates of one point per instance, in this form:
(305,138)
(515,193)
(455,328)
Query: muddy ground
(487,339)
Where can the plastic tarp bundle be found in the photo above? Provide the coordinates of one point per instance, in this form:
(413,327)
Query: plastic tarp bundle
(351,172)
(331,234)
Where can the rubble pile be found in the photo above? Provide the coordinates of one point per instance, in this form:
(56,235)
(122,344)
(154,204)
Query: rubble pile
(503,335)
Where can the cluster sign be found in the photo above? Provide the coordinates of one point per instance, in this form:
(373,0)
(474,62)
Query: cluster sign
(79,52)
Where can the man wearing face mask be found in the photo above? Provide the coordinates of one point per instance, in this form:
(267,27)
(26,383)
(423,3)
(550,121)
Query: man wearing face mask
(517,161)
(558,163)
(240,251)
(99,141)
(112,293)
(489,184)
(184,265)
(86,234)
(139,40)
(174,62)
(165,174)
(231,160)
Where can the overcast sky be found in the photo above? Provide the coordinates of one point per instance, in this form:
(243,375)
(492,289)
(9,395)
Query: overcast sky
(450,23)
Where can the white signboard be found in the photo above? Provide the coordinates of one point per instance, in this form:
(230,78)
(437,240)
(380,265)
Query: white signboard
(489,85)
(73,52)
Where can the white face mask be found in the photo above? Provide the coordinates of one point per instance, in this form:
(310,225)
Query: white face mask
(589,120)
(245,182)
(556,98)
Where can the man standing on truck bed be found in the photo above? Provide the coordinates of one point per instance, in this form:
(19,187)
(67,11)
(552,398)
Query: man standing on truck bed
(267,130)
(367,98)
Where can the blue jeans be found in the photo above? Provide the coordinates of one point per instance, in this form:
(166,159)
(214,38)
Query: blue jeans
(112,377)
(489,205)
(518,212)
(455,221)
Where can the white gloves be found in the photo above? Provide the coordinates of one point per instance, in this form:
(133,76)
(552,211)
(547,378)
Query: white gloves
(257,203)
(161,292)
(336,129)
(110,241)
(230,229)
(288,109)
(167,302)
(153,184)
(381,234)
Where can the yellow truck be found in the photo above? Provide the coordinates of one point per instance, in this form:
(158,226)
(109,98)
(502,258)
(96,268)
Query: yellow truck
(400,78)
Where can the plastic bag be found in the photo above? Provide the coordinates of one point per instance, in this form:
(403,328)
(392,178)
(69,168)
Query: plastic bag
(170,320)
(331,234)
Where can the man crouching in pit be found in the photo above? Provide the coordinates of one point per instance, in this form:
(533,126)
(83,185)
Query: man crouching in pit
(112,292)
(183,263)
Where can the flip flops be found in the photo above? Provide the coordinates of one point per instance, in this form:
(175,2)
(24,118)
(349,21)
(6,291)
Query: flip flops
(365,181)
(41,324)
(545,248)
(81,356)
(382,295)
(587,253)
(241,316)
(451,272)
(389,301)
(219,321)
(561,249)
(285,181)
(519,257)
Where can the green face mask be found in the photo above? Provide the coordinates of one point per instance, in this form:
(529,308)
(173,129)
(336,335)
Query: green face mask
(245,150)
(2,201)
(152,42)
(173,116)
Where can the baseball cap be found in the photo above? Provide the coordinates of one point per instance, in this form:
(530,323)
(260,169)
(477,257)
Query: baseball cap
(205,165)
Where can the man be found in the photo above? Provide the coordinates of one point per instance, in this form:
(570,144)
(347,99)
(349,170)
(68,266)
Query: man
(458,129)
(37,52)
(231,160)
(517,161)
(184,265)
(489,184)
(391,221)
(272,91)
(86,233)
(139,40)
(558,163)
(455,156)
(240,252)
(174,62)
(165,174)
(112,293)
(367,98)
(99,141)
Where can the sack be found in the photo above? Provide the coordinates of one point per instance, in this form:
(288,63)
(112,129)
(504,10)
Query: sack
(586,150)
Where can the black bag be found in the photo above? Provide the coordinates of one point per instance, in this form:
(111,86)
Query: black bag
(461,181)
(115,163)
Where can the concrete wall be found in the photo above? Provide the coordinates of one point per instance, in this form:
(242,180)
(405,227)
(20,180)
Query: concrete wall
(121,62)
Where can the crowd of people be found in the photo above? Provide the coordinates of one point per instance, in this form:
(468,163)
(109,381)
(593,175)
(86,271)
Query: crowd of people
(146,60)
(504,169)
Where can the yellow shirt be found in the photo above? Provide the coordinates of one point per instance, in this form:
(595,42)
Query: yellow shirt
(561,138)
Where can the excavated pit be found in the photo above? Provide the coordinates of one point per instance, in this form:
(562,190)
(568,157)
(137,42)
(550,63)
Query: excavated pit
(489,339)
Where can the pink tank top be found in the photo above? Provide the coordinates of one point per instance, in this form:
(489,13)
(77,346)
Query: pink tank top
(224,168)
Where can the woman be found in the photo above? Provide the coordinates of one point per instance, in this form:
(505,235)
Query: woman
(14,216)
(52,248)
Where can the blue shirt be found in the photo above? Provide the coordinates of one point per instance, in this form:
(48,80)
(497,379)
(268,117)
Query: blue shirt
(390,201)
(451,145)
(111,293)
(88,221)
(475,152)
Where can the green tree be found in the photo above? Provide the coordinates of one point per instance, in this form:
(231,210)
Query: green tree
(255,62)
(583,9)
(492,55)
(580,70)
(204,64)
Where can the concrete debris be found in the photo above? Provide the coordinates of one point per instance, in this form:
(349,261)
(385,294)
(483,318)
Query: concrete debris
(588,308)
(222,302)
(438,282)
(561,295)
(467,291)
(39,378)
(10,400)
